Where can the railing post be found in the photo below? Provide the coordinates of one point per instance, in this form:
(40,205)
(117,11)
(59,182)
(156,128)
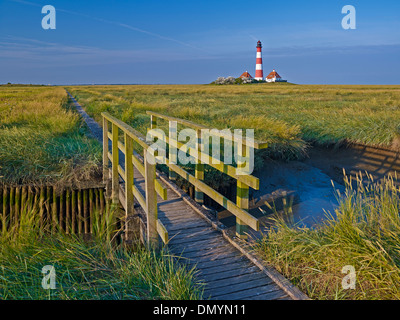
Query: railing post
(105,150)
(115,163)
(242,193)
(130,223)
(173,154)
(199,168)
(151,200)
(153,120)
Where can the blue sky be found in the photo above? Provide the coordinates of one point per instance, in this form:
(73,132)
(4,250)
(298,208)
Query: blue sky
(176,41)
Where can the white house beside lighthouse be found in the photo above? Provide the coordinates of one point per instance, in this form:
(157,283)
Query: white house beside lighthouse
(274,77)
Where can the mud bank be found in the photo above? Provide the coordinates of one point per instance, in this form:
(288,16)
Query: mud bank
(309,187)
(355,158)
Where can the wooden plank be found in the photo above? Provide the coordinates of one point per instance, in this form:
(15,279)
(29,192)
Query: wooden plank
(177,212)
(212,253)
(231,288)
(85,212)
(166,218)
(161,189)
(188,232)
(282,298)
(162,231)
(202,244)
(226,274)
(205,262)
(252,293)
(121,172)
(186,236)
(212,285)
(67,211)
(6,204)
(139,197)
(73,212)
(186,225)
(233,265)
(204,266)
(79,219)
(176,218)
(175,240)
(274,295)
(175,208)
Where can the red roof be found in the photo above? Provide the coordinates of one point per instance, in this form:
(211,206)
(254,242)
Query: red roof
(246,75)
(274,74)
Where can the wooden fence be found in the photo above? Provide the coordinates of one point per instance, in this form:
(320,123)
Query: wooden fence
(67,209)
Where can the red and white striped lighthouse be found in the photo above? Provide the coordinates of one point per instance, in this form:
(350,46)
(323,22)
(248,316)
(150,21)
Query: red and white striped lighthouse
(259,66)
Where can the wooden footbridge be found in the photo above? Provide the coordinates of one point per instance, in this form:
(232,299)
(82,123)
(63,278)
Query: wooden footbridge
(157,211)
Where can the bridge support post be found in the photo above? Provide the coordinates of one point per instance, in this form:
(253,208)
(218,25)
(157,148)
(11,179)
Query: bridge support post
(115,163)
(131,218)
(173,152)
(151,200)
(199,168)
(105,151)
(242,193)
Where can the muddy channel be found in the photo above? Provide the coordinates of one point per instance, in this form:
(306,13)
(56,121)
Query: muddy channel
(306,191)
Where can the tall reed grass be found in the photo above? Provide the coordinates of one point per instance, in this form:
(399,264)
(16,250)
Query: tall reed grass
(363,232)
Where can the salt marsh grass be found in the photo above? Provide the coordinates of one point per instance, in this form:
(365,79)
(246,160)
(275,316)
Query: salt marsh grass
(87,270)
(287,116)
(41,139)
(364,232)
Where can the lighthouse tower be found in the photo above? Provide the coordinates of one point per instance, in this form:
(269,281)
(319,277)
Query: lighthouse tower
(259,66)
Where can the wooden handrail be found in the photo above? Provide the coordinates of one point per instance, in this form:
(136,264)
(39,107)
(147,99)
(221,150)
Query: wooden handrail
(244,181)
(153,185)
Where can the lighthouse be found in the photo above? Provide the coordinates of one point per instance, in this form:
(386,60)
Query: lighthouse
(259,66)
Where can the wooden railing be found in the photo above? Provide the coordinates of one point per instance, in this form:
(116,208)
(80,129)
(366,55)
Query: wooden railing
(153,185)
(147,169)
(244,181)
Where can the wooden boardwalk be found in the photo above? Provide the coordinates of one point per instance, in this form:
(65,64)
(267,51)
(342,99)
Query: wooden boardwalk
(226,272)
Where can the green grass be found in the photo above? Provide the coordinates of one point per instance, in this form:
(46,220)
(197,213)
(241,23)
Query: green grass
(363,233)
(94,270)
(42,140)
(287,116)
